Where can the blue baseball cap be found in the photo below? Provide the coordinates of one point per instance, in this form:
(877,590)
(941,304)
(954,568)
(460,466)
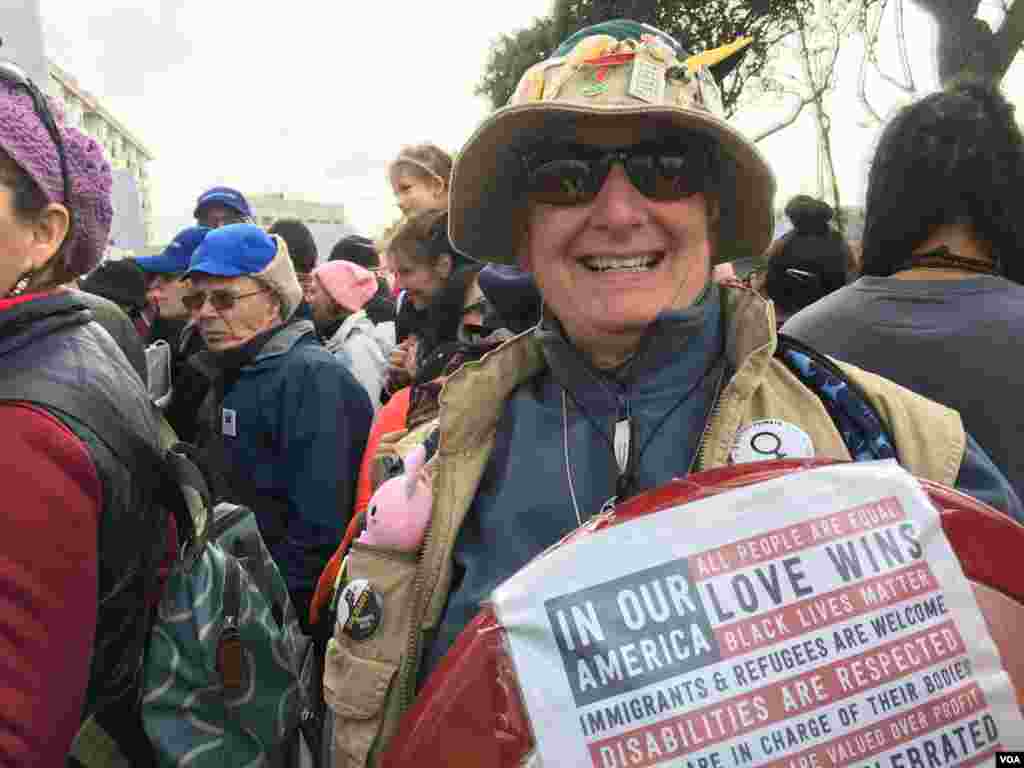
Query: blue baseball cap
(177,256)
(234,250)
(245,249)
(225,196)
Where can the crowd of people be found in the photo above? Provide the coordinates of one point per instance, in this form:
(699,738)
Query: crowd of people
(583,305)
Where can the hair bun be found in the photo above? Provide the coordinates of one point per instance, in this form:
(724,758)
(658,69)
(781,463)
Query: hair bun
(809,216)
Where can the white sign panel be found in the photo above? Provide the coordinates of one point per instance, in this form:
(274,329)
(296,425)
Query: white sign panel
(814,621)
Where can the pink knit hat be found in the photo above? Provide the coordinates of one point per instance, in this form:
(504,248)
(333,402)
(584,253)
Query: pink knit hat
(25,139)
(349,284)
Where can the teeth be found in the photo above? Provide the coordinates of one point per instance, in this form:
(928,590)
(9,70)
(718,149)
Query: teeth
(621,263)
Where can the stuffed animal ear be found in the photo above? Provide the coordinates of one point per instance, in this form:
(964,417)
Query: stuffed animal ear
(413,464)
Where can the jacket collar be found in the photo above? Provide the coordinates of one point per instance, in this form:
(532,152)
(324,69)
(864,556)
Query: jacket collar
(336,334)
(675,345)
(286,337)
(473,397)
(24,321)
(277,341)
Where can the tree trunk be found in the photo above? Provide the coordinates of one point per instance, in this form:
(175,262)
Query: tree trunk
(967,46)
(819,88)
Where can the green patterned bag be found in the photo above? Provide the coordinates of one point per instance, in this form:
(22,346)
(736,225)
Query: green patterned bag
(223,682)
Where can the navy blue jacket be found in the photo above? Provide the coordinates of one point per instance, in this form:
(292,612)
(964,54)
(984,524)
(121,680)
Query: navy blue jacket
(290,431)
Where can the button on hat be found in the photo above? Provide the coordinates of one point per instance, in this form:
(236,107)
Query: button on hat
(177,256)
(611,72)
(245,249)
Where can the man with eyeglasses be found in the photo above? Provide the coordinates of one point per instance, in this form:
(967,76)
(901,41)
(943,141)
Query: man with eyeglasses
(220,206)
(613,177)
(284,424)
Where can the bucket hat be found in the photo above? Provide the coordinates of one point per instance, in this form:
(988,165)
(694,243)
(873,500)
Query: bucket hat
(614,71)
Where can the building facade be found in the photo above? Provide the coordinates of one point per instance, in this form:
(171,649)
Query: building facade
(326,221)
(266,209)
(128,156)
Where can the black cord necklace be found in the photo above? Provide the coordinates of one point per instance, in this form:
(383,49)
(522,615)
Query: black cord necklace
(626,482)
(943,258)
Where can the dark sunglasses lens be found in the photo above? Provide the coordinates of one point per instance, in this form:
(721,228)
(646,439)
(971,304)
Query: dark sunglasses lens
(193,301)
(667,176)
(222,300)
(562,182)
(219,300)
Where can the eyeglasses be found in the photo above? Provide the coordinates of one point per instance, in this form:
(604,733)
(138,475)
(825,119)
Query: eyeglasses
(16,76)
(573,174)
(220,299)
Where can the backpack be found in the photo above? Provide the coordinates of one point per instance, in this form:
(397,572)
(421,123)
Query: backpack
(228,677)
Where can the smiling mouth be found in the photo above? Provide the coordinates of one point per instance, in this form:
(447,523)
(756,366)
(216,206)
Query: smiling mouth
(637,263)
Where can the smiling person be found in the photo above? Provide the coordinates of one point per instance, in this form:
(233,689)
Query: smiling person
(284,424)
(419,178)
(617,182)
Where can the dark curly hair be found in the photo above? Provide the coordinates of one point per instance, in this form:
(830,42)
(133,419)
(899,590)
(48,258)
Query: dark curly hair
(954,157)
(808,262)
(301,245)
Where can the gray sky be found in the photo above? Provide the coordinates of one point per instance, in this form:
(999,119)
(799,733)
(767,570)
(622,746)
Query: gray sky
(314,98)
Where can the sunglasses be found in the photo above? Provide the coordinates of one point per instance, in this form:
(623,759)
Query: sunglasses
(573,174)
(14,75)
(220,299)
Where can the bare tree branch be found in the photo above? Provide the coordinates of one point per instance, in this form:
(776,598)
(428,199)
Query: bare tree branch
(901,40)
(798,107)
(906,84)
(870,39)
(1009,37)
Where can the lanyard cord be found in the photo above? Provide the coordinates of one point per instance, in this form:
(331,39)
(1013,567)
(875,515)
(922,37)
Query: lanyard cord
(626,478)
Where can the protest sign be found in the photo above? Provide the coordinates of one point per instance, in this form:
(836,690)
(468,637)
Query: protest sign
(812,621)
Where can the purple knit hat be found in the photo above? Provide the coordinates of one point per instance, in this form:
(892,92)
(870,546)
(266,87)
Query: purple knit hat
(25,139)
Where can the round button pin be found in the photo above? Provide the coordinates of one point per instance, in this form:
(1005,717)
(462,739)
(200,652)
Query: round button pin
(360,610)
(770,439)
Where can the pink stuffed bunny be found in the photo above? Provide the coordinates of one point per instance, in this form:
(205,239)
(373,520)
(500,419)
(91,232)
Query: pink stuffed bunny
(398,512)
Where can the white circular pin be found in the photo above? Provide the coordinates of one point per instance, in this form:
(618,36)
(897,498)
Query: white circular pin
(770,439)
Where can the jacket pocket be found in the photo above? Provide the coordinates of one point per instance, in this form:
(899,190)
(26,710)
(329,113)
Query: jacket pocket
(355,690)
(375,606)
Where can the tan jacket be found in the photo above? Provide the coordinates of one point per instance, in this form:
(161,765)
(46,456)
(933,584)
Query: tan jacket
(930,439)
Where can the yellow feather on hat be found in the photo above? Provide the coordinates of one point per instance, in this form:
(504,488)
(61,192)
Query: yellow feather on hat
(715,55)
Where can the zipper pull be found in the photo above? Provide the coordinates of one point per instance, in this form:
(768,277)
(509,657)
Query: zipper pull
(622,430)
(623,435)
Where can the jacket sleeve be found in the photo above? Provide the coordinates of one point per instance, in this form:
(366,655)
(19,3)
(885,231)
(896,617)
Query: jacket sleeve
(367,364)
(980,478)
(49,583)
(327,422)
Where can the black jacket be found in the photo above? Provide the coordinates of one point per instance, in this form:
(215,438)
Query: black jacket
(53,337)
